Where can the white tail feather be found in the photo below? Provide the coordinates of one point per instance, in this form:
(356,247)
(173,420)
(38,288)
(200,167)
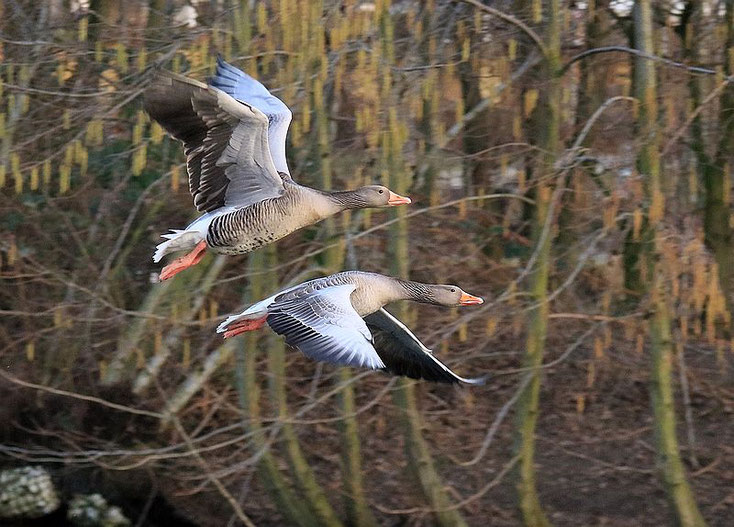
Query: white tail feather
(178,240)
(171,235)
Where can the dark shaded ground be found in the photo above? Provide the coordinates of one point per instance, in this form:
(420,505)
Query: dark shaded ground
(594,468)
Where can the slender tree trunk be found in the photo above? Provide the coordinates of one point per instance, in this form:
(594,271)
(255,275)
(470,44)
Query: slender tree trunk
(591,86)
(248,391)
(670,463)
(290,504)
(527,411)
(357,508)
(671,467)
(478,132)
(301,470)
(717,225)
(548,125)
(632,249)
(404,397)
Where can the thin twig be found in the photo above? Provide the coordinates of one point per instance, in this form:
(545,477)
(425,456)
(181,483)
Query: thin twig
(15,380)
(218,484)
(491,431)
(384,225)
(637,53)
(682,129)
(466,501)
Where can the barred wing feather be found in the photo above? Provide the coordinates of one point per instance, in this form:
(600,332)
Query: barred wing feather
(225,141)
(325,327)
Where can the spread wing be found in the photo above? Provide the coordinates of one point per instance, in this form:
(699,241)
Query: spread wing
(404,354)
(242,87)
(325,327)
(225,141)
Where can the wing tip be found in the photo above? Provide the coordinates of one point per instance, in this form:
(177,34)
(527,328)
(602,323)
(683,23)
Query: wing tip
(474,381)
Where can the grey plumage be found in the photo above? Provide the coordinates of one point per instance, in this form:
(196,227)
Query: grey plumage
(232,177)
(225,142)
(339,319)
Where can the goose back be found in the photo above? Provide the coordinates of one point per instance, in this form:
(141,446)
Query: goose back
(371,291)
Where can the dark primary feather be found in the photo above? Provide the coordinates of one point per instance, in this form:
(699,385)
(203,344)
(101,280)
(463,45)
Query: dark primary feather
(169,100)
(225,141)
(404,354)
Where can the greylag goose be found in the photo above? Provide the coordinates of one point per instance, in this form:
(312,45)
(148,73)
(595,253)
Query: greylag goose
(247,201)
(340,319)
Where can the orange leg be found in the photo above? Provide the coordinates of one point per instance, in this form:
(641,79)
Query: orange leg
(178,265)
(246,325)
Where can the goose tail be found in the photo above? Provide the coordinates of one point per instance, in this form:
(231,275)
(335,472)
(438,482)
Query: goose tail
(177,240)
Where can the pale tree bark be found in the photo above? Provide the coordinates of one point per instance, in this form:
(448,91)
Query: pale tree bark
(547,122)
(301,471)
(248,391)
(670,463)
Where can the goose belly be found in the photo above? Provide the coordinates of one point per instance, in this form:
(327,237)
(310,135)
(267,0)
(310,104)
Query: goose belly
(250,228)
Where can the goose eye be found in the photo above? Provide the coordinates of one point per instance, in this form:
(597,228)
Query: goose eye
(453,290)
(381,191)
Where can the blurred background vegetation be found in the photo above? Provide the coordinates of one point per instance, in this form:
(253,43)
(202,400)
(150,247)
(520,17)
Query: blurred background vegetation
(569,161)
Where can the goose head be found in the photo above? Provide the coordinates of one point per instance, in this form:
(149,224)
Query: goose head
(453,295)
(439,294)
(376,196)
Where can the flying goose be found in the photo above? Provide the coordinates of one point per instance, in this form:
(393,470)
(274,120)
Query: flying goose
(247,201)
(341,319)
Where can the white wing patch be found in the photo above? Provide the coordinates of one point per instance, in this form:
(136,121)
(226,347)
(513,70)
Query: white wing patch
(325,327)
(242,87)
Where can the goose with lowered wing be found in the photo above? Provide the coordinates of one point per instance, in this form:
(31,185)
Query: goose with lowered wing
(341,319)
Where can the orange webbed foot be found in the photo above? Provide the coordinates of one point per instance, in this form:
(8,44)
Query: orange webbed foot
(245,325)
(189,260)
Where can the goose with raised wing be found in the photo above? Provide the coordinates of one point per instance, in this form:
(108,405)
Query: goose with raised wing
(341,319)
(238,179)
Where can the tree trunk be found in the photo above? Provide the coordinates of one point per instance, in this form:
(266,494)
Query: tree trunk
(248,392)
(676,485)
(355,502)
(301,470)
(592,86)
(717,226)
(416,449)
(548,125)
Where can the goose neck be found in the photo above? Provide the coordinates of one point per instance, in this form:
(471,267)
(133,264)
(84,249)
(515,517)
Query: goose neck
(399,289)
(346,199)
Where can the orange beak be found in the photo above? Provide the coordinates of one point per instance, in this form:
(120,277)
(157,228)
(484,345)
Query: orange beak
(470,300)
(396,199)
